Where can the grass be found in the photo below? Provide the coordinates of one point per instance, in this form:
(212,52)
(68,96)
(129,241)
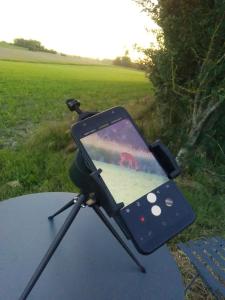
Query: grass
(33,93)
(35,142)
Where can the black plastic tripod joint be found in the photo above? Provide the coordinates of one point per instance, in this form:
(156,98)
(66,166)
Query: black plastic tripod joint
(68,205)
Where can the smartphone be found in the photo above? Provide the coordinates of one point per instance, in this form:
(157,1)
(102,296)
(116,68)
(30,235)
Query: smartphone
(154,209)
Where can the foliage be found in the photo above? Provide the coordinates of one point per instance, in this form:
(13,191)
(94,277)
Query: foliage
(32,45)
(187,70)
(125,61)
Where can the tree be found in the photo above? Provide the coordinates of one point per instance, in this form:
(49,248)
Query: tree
(124,60)
(187,70)
(32,45)
(29,44)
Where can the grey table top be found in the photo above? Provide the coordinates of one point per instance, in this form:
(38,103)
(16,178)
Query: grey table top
(88,264)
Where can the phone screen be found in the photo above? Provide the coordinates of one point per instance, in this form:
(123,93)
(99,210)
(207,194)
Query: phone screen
(129,169)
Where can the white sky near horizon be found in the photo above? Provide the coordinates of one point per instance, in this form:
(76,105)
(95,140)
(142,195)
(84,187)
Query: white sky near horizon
(98,28)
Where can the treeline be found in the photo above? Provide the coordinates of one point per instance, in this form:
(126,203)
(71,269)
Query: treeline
(125,61)
(32,45)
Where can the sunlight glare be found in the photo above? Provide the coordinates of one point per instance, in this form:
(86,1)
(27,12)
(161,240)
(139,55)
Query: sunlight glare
(100,28)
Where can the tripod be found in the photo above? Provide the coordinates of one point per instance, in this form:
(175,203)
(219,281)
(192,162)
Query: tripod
(81,200)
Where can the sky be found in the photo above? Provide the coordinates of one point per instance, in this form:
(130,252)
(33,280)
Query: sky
(90,28)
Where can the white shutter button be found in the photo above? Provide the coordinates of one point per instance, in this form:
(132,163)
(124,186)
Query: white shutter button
(151,197)
(156,210)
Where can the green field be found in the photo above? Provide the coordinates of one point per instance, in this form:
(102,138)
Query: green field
(33,93)
(34,119)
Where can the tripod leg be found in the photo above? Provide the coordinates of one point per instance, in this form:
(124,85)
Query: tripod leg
(63,208)
(53,247)
(117,236)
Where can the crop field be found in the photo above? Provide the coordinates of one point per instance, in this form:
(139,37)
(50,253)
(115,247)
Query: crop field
(16,53)
(34,120)
(31,93)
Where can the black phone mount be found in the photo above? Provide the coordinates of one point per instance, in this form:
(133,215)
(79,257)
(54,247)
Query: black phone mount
(80,173)
(92,195)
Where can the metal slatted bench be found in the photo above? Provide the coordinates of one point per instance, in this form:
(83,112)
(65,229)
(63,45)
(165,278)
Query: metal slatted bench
(208,258)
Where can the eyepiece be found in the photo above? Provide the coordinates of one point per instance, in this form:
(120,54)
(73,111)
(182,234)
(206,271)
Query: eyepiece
(73,105)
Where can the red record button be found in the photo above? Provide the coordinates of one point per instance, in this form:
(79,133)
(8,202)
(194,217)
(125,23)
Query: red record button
(142,219)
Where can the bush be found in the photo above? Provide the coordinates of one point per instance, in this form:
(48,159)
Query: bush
(187,70)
